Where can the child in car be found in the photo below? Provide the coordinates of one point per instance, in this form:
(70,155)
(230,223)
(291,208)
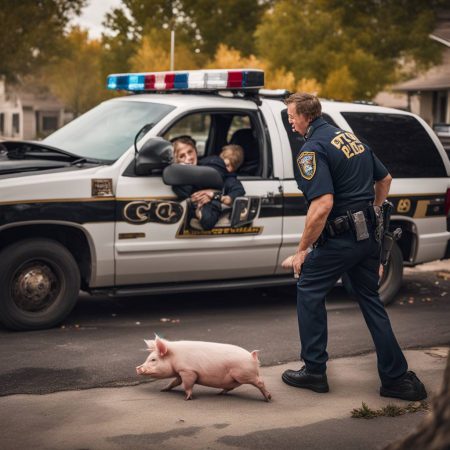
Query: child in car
(209,203)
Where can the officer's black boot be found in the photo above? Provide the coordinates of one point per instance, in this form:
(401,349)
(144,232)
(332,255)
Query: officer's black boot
(409,387)
(304,379)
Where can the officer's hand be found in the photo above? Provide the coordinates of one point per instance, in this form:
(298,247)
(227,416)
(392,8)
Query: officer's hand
(294,262)
(381,271)
(297,263)
(287,263)
(202,197)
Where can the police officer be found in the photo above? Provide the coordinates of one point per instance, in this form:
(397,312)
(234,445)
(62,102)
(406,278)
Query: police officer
(343,183)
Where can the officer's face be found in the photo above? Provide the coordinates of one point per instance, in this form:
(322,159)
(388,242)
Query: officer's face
(186,154)
(298,122)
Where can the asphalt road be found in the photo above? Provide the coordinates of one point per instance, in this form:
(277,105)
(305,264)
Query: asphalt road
(101,342)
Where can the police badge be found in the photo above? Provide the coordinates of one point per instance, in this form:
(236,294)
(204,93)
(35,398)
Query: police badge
(307,164)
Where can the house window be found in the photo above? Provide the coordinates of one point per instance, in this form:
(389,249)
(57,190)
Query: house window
(439,106)
(16,123)
(49,123)
(2,123)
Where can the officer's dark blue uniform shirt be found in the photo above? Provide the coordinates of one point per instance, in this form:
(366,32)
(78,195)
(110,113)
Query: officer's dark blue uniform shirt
(333,161)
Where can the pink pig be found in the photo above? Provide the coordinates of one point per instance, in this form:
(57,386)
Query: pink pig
(210,364)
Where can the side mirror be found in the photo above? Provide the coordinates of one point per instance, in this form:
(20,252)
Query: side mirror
(156,153)
(245,210)
(201,176)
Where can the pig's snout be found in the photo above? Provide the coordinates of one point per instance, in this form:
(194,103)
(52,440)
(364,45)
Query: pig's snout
(141,370)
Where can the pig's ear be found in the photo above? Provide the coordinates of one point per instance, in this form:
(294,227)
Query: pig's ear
(150,344)
(160,346)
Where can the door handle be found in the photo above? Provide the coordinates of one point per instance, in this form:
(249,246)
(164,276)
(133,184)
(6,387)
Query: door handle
(269,198)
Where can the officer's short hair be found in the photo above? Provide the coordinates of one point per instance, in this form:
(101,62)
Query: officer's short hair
(306,104)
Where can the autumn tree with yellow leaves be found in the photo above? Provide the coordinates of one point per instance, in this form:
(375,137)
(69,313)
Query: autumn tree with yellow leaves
(76,77)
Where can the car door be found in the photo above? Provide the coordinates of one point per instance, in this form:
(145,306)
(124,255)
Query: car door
(154,242)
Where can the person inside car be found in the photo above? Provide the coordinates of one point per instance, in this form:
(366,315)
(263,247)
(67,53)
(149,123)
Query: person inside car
(208,204)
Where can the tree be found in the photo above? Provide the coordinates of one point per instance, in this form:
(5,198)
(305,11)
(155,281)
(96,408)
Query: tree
(76,78)
(152,57)
(229,58)
(201,25)
(339,85)
(119,44)
(317,39)
(32,33)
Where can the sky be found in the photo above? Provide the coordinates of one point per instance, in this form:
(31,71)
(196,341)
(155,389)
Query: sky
(94,14)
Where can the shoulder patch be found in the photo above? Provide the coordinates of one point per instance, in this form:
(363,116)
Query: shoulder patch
(306,162)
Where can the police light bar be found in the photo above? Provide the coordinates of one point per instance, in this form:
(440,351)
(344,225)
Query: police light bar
(238,79)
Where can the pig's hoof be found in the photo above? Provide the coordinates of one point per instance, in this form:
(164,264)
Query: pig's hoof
(188,397)
(268,398)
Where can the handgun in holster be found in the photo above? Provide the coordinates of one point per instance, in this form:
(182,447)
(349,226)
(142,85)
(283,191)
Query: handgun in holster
(388,237)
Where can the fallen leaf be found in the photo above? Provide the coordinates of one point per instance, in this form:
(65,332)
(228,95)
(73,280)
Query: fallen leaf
(443,275)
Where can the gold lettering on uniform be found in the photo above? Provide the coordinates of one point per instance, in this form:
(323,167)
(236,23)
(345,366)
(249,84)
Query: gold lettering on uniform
(356,148)
(353,148)
(338,141)
(404,205)
(347,151)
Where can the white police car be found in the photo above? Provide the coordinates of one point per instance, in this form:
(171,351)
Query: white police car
(88,208)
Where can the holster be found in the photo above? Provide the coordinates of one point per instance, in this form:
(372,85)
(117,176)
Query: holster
(387,244)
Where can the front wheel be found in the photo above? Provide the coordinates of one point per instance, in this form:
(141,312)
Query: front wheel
(391,281)
(39,284)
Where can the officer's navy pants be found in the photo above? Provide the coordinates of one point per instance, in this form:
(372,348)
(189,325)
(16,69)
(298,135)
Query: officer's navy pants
(320,272)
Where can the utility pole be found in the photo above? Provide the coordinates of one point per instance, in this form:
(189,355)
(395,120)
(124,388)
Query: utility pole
(172,48)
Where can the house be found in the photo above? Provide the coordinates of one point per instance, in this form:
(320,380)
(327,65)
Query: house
(428,95)
(28,113)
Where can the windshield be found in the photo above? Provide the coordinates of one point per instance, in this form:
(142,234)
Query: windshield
(108,130)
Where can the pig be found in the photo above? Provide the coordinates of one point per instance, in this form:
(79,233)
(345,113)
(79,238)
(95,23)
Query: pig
(223,366)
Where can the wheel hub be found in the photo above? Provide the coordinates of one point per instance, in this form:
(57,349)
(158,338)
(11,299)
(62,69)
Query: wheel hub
(35,287)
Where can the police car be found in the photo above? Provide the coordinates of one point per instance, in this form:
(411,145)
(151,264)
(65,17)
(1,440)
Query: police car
(91,207)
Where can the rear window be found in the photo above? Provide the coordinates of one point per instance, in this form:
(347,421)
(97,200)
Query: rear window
(400,142)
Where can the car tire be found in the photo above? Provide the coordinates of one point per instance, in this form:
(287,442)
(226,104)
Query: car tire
(392,278)
(39,284)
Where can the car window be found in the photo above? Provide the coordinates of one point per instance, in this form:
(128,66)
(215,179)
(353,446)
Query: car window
(237,123)
(213,130)
(400,142)
(329,120)
(108,130)
(197,126)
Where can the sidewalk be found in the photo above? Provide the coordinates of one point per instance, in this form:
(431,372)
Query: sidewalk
(141,417)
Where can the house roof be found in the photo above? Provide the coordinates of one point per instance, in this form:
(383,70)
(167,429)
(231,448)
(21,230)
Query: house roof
(438,77)
(442,31)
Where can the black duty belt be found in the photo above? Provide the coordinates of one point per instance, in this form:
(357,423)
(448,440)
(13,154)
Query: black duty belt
(341,224)
(337,226)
